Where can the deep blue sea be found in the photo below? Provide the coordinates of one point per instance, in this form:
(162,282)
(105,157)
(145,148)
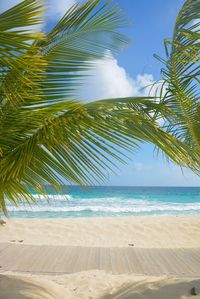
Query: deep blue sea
(111,201)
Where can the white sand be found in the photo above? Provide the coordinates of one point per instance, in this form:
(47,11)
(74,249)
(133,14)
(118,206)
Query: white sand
(95,285)
(148,232)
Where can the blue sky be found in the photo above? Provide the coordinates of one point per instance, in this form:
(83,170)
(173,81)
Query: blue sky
(151,21)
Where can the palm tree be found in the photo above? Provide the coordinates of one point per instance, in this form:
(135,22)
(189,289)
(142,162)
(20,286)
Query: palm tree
(180,80)
(47,134)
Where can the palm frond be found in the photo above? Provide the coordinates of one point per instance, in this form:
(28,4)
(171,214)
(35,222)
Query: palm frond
(47,136)
(85,33)
(20,66)
(181,75)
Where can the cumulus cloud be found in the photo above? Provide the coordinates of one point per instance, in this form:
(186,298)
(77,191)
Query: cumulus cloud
(109,80)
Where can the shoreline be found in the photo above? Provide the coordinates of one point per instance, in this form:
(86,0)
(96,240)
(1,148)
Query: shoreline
(106,217)
(111,217)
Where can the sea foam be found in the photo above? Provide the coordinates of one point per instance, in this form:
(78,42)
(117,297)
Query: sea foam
(111,201)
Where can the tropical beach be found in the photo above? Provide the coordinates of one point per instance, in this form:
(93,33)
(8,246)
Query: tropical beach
(142,232)
(99,153)
(62,258)
(129,256)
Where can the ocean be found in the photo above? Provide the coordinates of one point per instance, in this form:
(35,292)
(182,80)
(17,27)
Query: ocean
(111,201)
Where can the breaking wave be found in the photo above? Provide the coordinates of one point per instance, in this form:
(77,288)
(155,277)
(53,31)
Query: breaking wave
(111,201)
(107,209)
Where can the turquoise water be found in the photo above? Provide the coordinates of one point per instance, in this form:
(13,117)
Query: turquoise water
(112,201)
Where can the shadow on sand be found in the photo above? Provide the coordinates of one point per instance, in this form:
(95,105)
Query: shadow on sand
(166,288)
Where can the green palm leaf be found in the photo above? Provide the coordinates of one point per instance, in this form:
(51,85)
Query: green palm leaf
(181,77)
(47,136)
(20,66)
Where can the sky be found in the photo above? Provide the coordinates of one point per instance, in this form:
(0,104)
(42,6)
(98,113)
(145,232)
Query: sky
(151,21)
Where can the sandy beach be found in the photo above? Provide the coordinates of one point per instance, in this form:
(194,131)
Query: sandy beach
(91,142)
(142,232)
(95,285)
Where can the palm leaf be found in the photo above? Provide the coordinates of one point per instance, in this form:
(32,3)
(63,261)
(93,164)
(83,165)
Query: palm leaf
(47,135)
(20,66)
(181,75)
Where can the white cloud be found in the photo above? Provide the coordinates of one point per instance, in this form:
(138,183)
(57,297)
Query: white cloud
(109,80)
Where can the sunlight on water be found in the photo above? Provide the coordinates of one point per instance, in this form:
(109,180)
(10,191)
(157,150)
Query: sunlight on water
(112,201)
